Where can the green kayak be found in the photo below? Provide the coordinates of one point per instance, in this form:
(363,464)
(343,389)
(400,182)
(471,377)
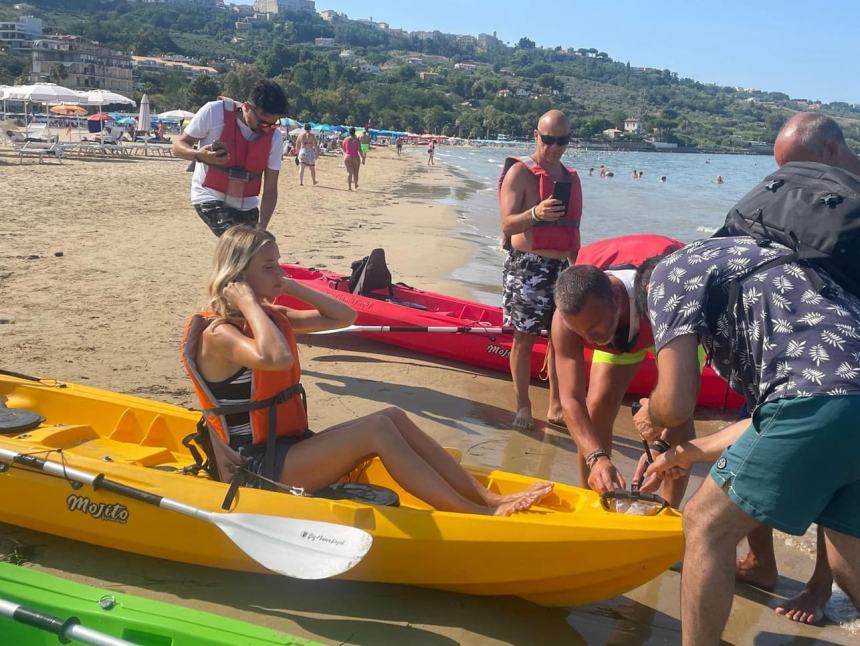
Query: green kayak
(36,608)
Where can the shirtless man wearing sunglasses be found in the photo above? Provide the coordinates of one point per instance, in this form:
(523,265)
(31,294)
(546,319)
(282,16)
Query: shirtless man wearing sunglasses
(540,202)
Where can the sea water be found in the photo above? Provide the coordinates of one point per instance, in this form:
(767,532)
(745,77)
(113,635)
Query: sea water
(687,206)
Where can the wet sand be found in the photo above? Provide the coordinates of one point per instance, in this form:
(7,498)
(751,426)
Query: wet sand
(109,313)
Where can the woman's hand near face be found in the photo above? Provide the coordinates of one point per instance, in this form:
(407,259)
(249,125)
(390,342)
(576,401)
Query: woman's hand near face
(239,294)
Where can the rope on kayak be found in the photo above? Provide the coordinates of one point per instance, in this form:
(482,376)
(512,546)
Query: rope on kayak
(74,484)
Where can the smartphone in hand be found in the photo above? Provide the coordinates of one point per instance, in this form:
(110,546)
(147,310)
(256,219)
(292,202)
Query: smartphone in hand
(561,192)
(219,148)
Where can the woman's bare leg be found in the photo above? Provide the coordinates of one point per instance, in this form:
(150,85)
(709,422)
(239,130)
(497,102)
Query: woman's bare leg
(322,459)
(447,467)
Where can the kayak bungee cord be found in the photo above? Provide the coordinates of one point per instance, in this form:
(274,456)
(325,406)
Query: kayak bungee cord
(303,549)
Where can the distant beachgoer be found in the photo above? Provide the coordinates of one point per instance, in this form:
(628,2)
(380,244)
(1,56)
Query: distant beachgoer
(399,146)
(351,158)
(718,179)
(364,142)
(641,173)
(307,146)
(240,150)
(609,173)
(603,170)
(431,153)
(663,178)
(591,171)
(541,235)
(634,174)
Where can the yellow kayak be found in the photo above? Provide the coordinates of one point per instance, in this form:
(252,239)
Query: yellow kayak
(566,551)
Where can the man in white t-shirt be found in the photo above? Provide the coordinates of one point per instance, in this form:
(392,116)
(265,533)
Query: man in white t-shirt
(238,154)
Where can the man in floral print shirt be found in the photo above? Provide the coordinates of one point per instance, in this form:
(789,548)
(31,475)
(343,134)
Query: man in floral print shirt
(795,354)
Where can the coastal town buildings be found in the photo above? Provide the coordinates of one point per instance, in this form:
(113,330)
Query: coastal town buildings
(275,6)
(633,125)
(20,33)
(81,64)
(161,64)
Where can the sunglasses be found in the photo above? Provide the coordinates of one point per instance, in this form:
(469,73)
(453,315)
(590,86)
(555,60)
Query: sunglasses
(550,140)
(263,124)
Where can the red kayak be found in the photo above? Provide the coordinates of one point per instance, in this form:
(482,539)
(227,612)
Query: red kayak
(414,307)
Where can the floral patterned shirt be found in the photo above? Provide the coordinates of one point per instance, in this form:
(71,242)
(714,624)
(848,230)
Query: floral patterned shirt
(787,339)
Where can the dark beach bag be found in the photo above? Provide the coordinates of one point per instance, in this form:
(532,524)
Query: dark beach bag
(370,273)
(814,209)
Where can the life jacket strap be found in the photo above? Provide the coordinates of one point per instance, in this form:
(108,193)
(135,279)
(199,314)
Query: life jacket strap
(247,407)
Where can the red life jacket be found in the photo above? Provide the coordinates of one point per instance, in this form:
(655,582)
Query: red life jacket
(627,252)
(251,157)
(563,234)
(277,396)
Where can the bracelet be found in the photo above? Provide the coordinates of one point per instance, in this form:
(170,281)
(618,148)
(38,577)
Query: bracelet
(535,218)
(594,456)
(661,446)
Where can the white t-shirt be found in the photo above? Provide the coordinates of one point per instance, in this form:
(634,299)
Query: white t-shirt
(206,126)
(627,278)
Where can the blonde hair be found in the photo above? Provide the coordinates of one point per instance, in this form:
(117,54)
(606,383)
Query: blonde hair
(234,252)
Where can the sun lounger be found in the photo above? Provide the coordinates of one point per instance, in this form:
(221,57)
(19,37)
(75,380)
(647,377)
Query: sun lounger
(40,151)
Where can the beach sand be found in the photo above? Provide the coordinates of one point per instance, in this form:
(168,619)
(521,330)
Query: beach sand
(109,312)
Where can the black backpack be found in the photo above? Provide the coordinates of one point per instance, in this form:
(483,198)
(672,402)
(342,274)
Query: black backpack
(369,274)
(814,209)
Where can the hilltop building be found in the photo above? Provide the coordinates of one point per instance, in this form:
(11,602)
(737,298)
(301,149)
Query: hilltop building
(487,41)
(275,6)
(83,64)
(20,33)
(199,3)
(161,64)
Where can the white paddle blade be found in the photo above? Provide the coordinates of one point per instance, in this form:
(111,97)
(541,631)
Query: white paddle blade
(302,549)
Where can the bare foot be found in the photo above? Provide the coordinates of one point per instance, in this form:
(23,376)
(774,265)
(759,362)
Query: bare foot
(538,491)
(523,419)
(807,607)
(508,508)
(556,420)
(756,573)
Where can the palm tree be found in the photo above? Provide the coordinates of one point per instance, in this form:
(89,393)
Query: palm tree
(58,73)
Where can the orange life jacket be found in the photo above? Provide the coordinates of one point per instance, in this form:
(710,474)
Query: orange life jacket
(627,252)
(562,234)
(277,397)
(250,158)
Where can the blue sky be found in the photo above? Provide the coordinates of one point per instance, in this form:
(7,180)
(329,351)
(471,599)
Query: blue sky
(806,49)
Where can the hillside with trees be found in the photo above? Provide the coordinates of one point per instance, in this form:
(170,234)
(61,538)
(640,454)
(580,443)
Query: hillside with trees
(436,83)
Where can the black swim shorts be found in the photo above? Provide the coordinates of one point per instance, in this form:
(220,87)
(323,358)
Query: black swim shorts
(529,280)
(255,457)
(219,218)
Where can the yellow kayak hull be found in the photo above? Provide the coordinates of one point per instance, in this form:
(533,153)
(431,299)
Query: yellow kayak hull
(567,551)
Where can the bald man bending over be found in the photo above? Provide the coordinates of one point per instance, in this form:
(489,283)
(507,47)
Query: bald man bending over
(541,237)
(810,137)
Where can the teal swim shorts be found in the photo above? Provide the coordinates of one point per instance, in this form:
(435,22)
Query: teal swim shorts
(798,463)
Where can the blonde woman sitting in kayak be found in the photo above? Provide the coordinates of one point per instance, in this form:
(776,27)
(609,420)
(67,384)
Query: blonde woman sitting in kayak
(242,357)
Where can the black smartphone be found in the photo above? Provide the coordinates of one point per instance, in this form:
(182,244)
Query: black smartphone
(561,191)
(220,148)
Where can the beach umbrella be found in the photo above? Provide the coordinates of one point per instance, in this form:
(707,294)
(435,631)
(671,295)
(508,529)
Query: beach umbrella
(290,123)
(143,118)
(69,110)
(296,132)
(105,97)
(47,93)
(100,116)
(176,114)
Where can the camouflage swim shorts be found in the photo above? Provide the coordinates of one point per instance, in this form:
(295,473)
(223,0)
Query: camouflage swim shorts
(528,284)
